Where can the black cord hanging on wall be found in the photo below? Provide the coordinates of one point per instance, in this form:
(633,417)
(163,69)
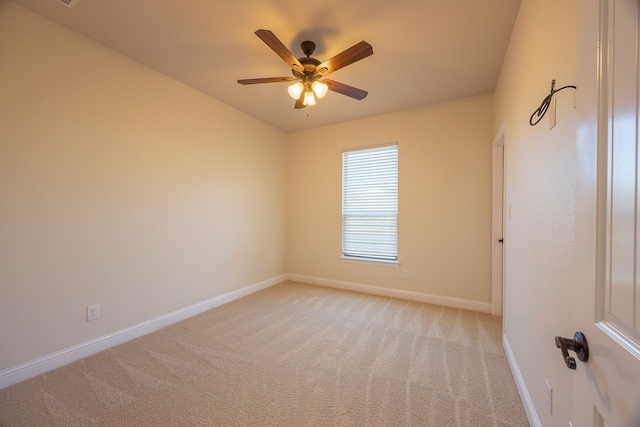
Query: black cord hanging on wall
(542,110)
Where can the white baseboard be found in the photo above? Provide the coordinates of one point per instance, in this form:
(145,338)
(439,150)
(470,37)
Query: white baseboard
(461,303)
(532,415)
(24,371)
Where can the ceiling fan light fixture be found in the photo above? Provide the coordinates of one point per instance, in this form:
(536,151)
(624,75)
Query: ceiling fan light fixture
(295,90)
(309,99)
(309,72)
(320,88)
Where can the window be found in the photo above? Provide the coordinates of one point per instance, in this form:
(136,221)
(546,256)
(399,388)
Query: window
(370,203)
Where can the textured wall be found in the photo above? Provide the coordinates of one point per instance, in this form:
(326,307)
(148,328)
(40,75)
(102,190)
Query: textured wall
(540,179)
(120,187)
(444,224)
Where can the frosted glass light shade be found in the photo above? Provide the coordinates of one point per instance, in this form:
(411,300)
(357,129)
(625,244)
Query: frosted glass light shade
(320,88)
(309,99)
(295,90)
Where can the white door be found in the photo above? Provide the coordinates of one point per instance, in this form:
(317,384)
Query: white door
(607,293)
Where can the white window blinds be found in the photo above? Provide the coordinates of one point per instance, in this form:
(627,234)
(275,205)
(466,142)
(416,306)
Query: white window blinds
(370,203)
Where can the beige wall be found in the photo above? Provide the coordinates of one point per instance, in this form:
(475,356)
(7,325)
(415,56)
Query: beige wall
(120,187)
(540,176)
(444,199)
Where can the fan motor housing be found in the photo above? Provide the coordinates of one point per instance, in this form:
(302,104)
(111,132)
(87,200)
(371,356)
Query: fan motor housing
(310,64)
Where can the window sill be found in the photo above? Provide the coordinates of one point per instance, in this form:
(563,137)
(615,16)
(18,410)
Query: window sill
(355,260)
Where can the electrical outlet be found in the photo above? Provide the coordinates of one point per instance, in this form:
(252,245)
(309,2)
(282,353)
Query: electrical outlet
(258,268)
(549,396)
(93,312)
(405,274)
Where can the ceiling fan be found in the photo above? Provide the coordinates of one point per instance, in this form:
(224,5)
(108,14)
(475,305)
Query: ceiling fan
(308,73)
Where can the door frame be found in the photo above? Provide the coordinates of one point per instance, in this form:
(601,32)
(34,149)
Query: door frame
(497,222)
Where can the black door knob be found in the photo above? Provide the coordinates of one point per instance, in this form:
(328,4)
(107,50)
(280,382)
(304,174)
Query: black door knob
(578,345)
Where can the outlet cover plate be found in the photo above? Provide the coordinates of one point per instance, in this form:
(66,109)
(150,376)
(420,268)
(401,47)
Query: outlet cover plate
(93,312)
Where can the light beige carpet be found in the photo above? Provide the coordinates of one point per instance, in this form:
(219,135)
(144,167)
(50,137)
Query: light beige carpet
(291,355)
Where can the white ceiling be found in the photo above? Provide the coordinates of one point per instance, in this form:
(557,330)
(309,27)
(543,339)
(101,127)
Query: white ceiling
(425,51)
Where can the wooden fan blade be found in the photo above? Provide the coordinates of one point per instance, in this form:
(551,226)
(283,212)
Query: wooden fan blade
(300,102)
(354,53)
(278,47)
(266,80)
(347,90)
